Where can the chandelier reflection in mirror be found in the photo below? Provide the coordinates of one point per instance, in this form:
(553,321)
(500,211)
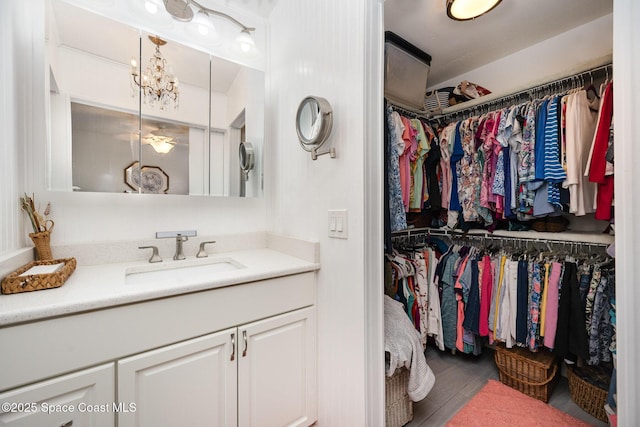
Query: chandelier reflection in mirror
(157,84)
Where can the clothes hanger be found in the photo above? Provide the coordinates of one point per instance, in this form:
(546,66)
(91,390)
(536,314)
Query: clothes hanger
(591,88)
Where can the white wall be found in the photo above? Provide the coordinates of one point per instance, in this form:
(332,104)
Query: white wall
(588,45)
(319,48)
(627,157)
(21,105)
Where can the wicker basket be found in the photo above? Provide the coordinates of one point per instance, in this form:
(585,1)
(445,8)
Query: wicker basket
(588,396)
(399,407)
(534,374)
(42,244)
(14,283)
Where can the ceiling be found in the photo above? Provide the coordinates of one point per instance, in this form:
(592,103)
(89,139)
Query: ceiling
(458,47)
(259,7)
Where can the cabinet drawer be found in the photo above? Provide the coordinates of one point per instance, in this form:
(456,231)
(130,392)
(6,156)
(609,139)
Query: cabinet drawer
(81,399)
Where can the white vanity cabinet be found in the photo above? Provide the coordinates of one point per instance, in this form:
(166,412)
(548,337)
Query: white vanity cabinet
(258,374)
(239,355)
(80,399)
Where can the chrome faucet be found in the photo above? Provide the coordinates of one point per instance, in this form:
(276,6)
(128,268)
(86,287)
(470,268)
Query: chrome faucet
(179,239)
(180,236)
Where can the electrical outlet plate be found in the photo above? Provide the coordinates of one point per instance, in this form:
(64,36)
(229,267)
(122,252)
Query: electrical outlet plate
(338,227)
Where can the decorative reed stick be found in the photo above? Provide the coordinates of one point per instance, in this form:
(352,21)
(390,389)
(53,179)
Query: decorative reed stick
(38,221)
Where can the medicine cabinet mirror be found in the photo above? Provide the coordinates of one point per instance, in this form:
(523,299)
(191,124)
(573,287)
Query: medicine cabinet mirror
(100,125)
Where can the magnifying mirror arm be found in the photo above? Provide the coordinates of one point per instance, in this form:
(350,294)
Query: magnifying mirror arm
(315,153)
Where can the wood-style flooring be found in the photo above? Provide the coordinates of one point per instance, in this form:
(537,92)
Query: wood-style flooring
(459,377)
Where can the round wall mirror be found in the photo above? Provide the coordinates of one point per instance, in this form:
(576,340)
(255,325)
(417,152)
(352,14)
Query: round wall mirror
(313,123)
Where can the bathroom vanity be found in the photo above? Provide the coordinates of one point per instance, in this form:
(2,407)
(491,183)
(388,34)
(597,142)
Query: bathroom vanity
(238,348)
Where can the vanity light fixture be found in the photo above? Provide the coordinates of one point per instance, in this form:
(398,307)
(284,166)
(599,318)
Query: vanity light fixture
(156,84)
(465,10)
(152,6)
(183,10)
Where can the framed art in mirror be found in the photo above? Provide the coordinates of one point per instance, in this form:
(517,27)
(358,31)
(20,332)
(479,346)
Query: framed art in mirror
(146,179)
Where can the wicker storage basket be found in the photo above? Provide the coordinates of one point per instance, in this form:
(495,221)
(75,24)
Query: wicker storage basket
(588,396)
(14,283)
(399,407)
(534,374)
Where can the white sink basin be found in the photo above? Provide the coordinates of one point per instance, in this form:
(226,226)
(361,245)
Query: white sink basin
(177,272)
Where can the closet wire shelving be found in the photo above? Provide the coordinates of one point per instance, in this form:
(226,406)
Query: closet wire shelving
(416,236)
(492,102)
(480,106)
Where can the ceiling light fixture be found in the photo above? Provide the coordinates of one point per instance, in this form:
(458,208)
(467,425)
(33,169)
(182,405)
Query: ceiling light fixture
(162,144)
(181,10)
(465,10)
(156,85)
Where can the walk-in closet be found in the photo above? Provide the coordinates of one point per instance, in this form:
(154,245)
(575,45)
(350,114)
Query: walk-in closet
(499,207)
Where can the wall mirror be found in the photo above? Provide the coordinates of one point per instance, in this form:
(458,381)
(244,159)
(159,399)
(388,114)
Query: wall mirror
(124,101)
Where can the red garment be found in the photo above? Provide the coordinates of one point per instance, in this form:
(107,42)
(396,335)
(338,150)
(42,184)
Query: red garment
(598,165)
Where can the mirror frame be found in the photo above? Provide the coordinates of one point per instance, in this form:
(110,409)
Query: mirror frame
(314,142)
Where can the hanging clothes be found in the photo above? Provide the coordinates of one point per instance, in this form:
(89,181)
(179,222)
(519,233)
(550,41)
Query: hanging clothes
(581,115)
(571,334)
(397,215)
(467,296)
(597,170)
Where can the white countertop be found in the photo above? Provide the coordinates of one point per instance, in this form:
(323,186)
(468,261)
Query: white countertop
(95,287)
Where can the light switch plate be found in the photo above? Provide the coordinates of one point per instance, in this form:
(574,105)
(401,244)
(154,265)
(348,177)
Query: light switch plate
(338,226)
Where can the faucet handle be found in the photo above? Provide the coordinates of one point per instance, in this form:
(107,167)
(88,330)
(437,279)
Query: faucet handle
(202,253)
(154,256)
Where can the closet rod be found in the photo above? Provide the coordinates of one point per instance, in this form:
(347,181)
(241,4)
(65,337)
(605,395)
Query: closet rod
(407,112)
(422,232)
(529,93)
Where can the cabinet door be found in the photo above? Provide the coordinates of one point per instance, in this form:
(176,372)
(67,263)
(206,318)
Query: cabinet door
(81,399)
(192,383)
(277,371)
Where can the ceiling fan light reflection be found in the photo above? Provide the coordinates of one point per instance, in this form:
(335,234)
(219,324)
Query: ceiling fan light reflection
(161,144)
